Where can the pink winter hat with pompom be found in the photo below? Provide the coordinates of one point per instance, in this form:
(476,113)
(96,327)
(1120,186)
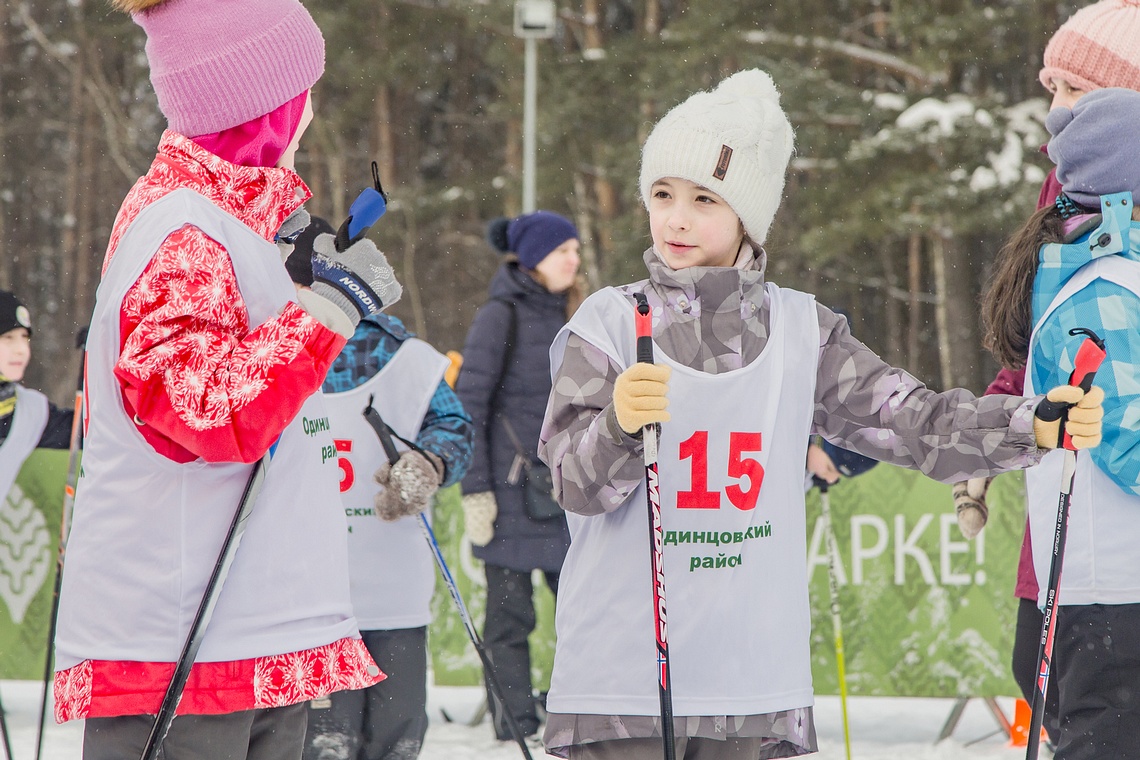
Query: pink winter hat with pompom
(1098,47)
(215,64)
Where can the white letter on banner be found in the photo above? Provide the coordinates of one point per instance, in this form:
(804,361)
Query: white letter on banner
(948,547)
(908,547)
(858,553)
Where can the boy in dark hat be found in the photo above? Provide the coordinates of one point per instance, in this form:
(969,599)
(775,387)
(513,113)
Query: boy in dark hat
(41,425)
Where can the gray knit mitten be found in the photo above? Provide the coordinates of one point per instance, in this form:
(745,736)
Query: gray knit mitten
(409,485)
(970,504)
(479,513)
(293,226)
(358,280)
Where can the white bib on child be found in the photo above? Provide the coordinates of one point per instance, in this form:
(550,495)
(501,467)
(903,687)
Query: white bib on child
(28,423)
(390,565)
(738,618)
(1100,564)
(147,530)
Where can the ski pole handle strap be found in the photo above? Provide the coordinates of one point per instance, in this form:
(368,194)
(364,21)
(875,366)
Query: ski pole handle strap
(376,422)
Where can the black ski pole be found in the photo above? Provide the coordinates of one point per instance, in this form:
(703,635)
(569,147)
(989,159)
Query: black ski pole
(644,323)
(363,213)
(384,433)
(64,529)
(1089,356)
(173,695)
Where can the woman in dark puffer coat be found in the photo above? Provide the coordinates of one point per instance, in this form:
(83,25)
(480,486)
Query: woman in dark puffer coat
(504,385)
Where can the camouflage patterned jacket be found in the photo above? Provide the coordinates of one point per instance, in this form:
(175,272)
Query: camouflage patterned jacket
(715,319)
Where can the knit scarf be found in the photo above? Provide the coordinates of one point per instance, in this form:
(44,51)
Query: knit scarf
(7,397)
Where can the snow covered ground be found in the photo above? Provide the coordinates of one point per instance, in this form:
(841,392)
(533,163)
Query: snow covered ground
(881,729)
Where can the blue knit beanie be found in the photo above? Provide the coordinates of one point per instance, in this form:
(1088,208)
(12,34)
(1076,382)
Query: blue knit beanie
(1093,146)
(532,236)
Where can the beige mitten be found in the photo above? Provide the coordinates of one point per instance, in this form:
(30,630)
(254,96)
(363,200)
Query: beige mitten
(970,504)
(640,396)
(479,512)
(1086,411)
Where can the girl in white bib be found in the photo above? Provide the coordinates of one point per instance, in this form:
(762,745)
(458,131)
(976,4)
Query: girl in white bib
(746,372)
(201,357)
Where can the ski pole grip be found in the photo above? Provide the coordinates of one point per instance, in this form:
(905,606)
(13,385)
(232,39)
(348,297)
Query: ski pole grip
(1089,357)
(1088,361)
(364,212)
(644,324)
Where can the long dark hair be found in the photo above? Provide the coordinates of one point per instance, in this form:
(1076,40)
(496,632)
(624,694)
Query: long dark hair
(1007,305)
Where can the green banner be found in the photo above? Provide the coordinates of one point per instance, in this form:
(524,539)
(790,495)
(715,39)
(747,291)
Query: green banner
(29,541)
(924,612)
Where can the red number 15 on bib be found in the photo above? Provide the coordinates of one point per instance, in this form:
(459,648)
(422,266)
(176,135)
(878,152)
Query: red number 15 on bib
(696,447)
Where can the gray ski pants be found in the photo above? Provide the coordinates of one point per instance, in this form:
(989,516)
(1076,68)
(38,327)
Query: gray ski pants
(276,733)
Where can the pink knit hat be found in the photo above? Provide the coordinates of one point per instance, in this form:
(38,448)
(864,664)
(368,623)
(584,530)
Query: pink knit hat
(215,64)
(1098,47)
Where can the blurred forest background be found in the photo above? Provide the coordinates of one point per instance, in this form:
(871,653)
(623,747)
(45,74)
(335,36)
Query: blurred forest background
(918,124)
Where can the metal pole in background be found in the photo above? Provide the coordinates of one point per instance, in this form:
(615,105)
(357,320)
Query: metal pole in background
(534,20)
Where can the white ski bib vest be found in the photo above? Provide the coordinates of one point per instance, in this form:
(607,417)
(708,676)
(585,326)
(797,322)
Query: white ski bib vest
(28,423)
(731,469)
(147,530)
(1100,565)
(391,566)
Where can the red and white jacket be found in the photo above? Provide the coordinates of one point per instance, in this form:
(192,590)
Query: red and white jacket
(199,359)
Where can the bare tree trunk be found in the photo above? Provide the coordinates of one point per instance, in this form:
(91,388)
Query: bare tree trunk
(941,320)
(76,133)
(962,316)
(338,183)
(914,287)
(584,217)
(652,23)
(892,319)
(383,141)
(383,148)
(591,15)
(411,288)
(6,175)
(89,252)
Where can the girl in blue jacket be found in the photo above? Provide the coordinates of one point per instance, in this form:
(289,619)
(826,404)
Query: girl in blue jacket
(1075,264)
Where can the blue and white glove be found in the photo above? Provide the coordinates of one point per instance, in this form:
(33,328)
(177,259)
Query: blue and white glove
(358,280)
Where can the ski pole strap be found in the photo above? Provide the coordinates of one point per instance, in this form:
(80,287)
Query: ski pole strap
(386,435)
(1085,366)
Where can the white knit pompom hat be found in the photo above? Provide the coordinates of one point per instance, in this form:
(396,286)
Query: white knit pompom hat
(735,140)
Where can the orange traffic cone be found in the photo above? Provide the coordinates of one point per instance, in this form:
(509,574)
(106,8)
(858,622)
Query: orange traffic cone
(1019,726)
